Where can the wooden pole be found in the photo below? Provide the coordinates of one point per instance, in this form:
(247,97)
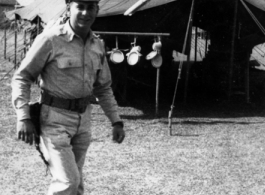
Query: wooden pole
(231,68)
(187,74)
(188,61)
(157,85)
(170,113)
(157,91)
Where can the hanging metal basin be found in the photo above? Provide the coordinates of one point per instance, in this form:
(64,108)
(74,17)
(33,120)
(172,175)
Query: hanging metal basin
(157,61)
(116,56)
(133,58)
(151,55)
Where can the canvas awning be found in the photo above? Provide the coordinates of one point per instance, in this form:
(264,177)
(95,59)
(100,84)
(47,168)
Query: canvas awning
(52,9)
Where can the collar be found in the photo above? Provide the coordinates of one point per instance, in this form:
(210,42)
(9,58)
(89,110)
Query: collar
(70,32)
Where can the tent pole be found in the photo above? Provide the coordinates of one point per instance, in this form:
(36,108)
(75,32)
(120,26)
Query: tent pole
(157,91)
(157,86)
(231,68)
(187,77)
(188,61)
(170,113)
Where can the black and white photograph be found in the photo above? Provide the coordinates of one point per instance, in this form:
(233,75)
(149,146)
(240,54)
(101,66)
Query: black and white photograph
(132,97)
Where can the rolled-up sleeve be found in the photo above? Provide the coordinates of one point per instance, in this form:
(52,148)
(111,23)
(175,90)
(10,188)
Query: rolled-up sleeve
(103,91)
(27,73)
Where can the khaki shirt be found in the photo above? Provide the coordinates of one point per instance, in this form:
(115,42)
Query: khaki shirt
(68,68)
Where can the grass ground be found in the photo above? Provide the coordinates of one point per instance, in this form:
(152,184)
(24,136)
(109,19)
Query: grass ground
(214,149)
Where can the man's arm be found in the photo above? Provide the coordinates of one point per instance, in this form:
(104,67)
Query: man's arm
(103,91)
(27,73)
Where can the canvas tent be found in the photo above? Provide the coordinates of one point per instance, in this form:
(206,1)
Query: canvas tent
(170,16)
(47,9)
(52,9)
(166,15)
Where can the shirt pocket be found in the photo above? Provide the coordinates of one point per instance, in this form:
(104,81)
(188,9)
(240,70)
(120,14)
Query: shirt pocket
(66,63)
(70,70)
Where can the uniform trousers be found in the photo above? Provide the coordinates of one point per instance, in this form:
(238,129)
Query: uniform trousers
(65,139)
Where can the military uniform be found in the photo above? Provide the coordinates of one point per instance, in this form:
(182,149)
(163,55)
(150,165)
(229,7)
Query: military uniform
(71,71)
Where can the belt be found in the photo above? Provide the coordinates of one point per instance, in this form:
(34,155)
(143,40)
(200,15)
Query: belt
(76,105)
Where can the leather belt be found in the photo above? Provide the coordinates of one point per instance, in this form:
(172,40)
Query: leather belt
(76,105)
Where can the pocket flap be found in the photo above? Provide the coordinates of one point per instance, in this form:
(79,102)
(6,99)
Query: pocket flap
(68,63)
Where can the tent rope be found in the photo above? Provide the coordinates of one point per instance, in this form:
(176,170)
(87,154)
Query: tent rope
(180,67)
(253,17)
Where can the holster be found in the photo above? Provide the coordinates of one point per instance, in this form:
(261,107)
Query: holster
(34,111)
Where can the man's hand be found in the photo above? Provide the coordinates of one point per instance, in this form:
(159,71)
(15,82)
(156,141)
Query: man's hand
(26,131)
(118,134)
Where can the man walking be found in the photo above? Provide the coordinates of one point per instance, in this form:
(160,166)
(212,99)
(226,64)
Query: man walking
(72,66)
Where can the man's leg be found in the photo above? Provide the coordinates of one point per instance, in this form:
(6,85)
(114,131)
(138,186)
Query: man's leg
(58,127)
(80,150)
(81,142)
